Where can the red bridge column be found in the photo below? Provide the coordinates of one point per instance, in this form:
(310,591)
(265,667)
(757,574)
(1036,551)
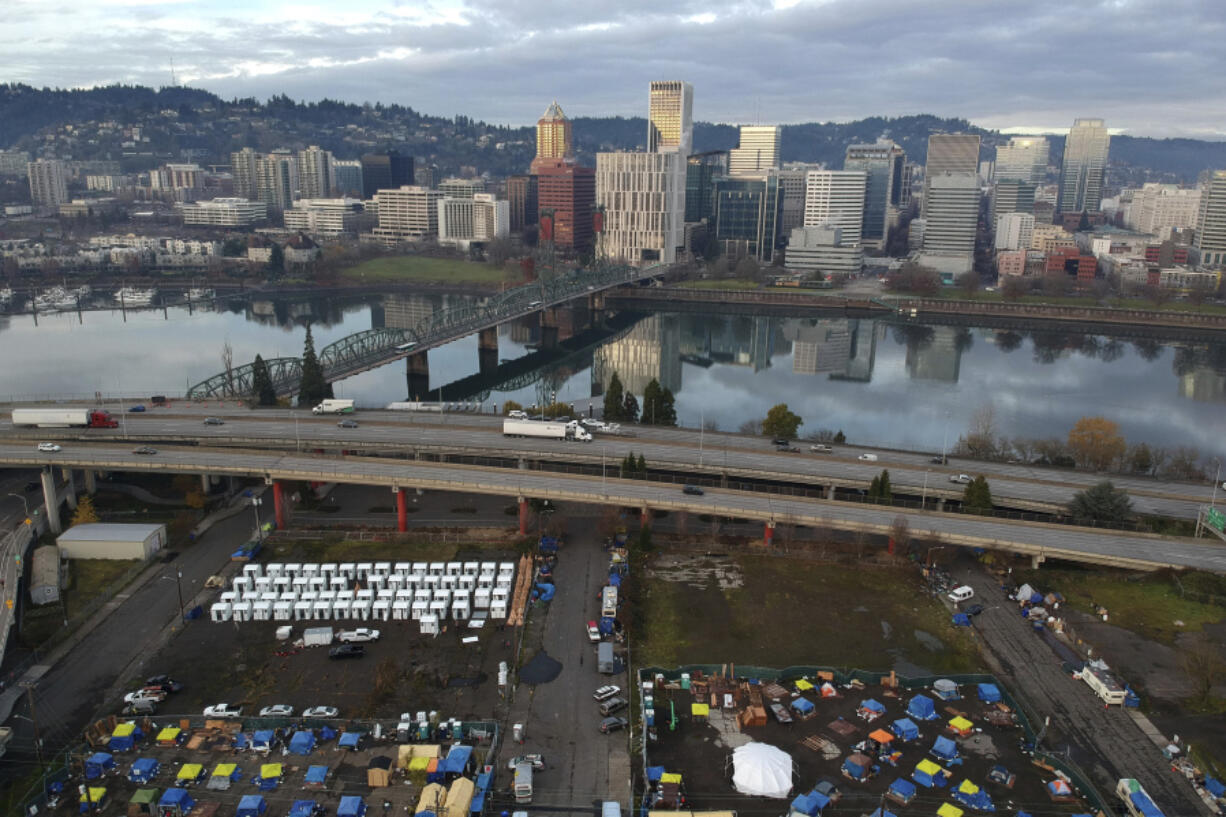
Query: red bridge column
(768,536)
(278,498)
(645,516)
(402,510)
(523,516)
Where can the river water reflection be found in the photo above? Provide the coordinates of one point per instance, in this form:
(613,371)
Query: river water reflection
(913,386)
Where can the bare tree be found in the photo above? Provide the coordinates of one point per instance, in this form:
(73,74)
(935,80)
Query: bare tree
(1202,661)
(227,365)
(900,534)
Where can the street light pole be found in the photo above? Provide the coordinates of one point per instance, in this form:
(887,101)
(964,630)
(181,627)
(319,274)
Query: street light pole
(702,424)
(924,497)
(24,503)
(1217,478)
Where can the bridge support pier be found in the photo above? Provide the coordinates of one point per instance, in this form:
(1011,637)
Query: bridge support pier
(768,535)
(278,499)
(70,489)
(940,503)
(206,484)
(51,500)
(830,491)
(487,350)
(91,481)
(417,374)
(523,516)
(645,516)
(549,328)
(402,510)
(1036,560)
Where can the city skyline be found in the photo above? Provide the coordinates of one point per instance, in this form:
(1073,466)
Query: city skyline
(957,58)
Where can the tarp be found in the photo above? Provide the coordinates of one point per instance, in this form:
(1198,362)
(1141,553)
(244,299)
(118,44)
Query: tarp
(872,705)
(190,771)
(929,774)
(1059,788)
(1215,786)
(1144,805)
(262,739)
(962,620)
(949,810)
(144,797)
(94,796)
(802,685)
(989,693)
(945,689)
(857,766)
(302,743)
(223,776)
(811,803)
(829,690)
(944,748)
(176,799)
(124,737)
(761,770)
(317,775)
(252,805)
(967,787)
(903,789)
(671,777)
(1024,593)
(98,764)
(302,808)
(905,729)
(700,710)
(351,807)
(143,769)
(456,761)
(961,725)
(881,736)
(349,740)
(169,735)
(654,773)
(922,708)
(270,771)
(803,705)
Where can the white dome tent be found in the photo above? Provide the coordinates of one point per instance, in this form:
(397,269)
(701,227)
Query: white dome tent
(761,770)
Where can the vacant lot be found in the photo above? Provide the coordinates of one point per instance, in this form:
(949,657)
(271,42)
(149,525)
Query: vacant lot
(412,269)
(721,283)
(774,611)
(89,582)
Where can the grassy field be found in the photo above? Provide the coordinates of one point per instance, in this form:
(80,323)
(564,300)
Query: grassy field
(1146,604)
(412,269)
(720,284)
(789,612)
(89,579)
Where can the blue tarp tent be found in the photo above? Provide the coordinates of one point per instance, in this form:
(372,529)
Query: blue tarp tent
(1214,786)
(241,741)
(811,803)
(857,767)
(176,802)
(946,690)
(606,625)
(143,769)
(252,805)
(1142,803)
(302,743)
(262,740)
(902,790)
(98,764)
(545,592)
(971,796)
(989,693)
(654,773)
(351,807)
(944,749)
(879,812)
(124,738)
(905,729)
(872,705)
(302,808)
(803,706)
(317,775)
(326,733)
(456,762)
(922,708)
(615,580)
(349,740)
(929,774)
(962,620)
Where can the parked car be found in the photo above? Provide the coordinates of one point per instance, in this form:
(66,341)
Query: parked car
(537,760)
(49,448)
(144,449)
(165,682)
(347,424)
(612,724)
(606,692)
(223,711)
(321,712)
(593,632)
(155,695)
(347,651)
(277,711)
(788,449)
(692,490)
(867,457)
(974,610)
(358,635)
(214,421)
(961,479)
(613,705)
(136,409)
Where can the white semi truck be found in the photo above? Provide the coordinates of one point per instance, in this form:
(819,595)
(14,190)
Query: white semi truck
(543,428)
(330,406)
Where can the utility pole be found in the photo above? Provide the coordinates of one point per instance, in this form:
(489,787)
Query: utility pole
(38,741)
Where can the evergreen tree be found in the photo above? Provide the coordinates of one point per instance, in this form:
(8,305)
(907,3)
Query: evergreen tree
(276,259)
(630,409)
(261,384)
(651,401)
(886,494)
(874,489)
(668,409)
(613,398)
(642,467)
(85,513)
(627,466)
(977,496)
(314,387)
(1101,503)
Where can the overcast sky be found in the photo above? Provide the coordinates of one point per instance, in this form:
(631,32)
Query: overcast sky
(1149,67)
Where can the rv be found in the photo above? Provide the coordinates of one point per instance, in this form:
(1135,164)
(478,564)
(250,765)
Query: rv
(522,786)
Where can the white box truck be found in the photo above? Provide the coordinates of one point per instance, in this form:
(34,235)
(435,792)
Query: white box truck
(331,406)
(543,428)
(608,601)
(522,786)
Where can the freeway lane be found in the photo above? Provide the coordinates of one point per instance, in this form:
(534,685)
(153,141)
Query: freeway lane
(1025,487)
(1043,540)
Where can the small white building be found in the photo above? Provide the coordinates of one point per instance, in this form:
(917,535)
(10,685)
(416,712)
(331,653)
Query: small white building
(101,540)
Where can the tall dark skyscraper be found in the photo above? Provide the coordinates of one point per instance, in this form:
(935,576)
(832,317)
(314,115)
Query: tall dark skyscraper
(385,171)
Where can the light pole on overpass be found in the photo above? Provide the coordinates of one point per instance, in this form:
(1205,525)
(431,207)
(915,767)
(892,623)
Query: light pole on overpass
(1217,478)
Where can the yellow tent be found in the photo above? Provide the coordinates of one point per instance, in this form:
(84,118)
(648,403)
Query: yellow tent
(967,787)
(190,771)
(459,798)
(803,686)
(169,735)
(424,750)
(947,810)
(96,795)
(670,777)
(700,710)
(268,771)
(418,764)
(123,730)
(433,798)
(961,725)
(224,769)
(928,767)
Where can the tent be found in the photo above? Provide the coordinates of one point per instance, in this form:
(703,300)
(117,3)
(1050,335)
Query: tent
(870,709)
(944,749)
(857,767)
(124,737)
(962,620)
(223,776)
(349,740)
(905,729)
(189,773)
(961,726)
(946,690)
(989,693)
(143,769)
(302,808)
(829,690)
(1059,789)
(929,775)
(1215,787)
(881,736)
(802,685)
(761,770)
(432,799)
(262,740)
(252,805)
(98,764)
(880,812)
(803,707)
(270,776)
(922,708)
(457,760)
(94,798)
(810,804)
(654,773)
(171,736)
(316,776)
(459,797)
(970,795)
(351,806)
(829,789)
(302,742)
(700,711)
(142,802)
(948,810)
(901,791)
(175,803)
(379,771)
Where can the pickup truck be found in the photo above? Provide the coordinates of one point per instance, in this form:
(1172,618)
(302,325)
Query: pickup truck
(361,634)
(223,711)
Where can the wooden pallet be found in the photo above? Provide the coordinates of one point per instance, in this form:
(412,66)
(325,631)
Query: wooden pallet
(827,748)
(523,588)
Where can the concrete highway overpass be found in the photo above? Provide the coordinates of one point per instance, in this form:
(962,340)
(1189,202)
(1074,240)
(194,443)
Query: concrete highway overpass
(1038,540)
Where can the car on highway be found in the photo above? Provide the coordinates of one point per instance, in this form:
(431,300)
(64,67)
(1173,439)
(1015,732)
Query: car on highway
(537,761)
(277,711)
(821,448)
(359,635)
(692,490)
(214,421)
(347,651)
(781,441)
(347,424)
(606,692)
(223,711)
(961,479)
(867,458)
(144,449)
(534,304)
(165,682)
(516,414)
(973,610)
(940,459)
(613,724)
(321,712)
(49,448)
(787,449)
(136,409)
(593,632)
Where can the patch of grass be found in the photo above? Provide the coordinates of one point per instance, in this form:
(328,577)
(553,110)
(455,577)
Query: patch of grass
(414,269)
(1146,604)
(88,581)
(348,550)
(720,283)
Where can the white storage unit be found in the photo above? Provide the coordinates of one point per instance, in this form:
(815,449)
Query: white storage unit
(262,610)
(454,569)
(400,610)
(242,611)
(269,597)
(283,611)
(382,568)
(438,568)
(472,568)
(345,595)
(301,583)
(347,569)
(252,570)
(365,594)
(481,599)
(263,584)
(283,583)
(363,570)
(381,610)
(429,625)
(322,610)
(221,611)
(302,610)
(419,609)
(421,567)
(341,608)
(293,568)
(375,582)
(439,608)
(274,569)
(338,583)
(310,569)
(498,609)
(403,568)
(360,609)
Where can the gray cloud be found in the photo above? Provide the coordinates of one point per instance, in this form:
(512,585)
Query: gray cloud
(1146,66)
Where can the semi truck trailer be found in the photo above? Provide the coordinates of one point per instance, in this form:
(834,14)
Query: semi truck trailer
(550,431)
(63,418)
(331,406)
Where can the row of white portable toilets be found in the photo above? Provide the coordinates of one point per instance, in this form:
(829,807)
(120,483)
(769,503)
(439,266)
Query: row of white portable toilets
(458,605)
(365,571)
(396,582)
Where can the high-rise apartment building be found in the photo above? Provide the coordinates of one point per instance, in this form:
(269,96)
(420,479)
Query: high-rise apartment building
(836,198)
(315,173)
(406,213)
(48,182)
(1211,222)
(883,164)
(385,171)
(13,162)
(243,169)
(479,217)
(553,137)
(1024,158)
(523,202)
(756,152)
(1085,161)
(953,214)
(1014,231)
(276,179)
(566,196)
(348,176)
(642,196)
(1158,209)
(747,212)
(670,118)
(950,153)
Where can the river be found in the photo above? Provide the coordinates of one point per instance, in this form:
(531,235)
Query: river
(916,386)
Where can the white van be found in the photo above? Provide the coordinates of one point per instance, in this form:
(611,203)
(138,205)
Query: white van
(867,457)
(962,593)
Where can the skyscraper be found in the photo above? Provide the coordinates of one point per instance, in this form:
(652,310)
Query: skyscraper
(522,196)
(883,164)
(1081,174)
(950,153)
(385,171)
(701,171)
(276,179)
(566,193)
(1023,159)
(48,182)
(756,152)
(670,117)
(747,214)
(792,190)
(243,169)
(1211,225)
(643,199)
(348,173)
(315,173)
(1012,196)
(953,215)
(836,198)
(553,139)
